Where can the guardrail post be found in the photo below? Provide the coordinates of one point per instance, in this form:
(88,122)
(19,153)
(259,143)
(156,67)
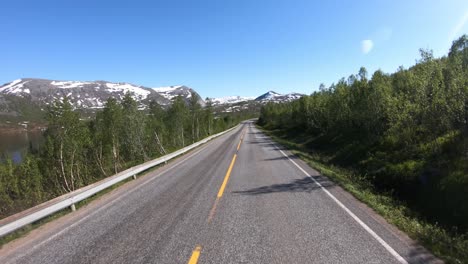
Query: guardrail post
(73,208)
(134,176)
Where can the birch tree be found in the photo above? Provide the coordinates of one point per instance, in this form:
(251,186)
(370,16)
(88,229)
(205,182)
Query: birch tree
(68,138)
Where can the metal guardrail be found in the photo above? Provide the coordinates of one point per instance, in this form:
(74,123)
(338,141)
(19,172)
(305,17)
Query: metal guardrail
(40,211)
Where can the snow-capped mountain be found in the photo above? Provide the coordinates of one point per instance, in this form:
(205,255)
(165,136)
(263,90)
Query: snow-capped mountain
(250,104)
(270,96)
(170,92)
(275,97)
(90,94)
(82,95)
(230,100)
(35,94)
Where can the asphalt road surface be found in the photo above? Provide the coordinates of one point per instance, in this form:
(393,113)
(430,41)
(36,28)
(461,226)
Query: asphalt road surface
(240,198)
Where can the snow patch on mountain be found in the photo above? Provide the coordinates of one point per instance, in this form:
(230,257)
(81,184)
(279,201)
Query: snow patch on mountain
(269,96)
(293,96)
(166,89)
(230,100)
(15,87)
(170,92)
(126,87)
(275,97)
(69,84)
(8,87)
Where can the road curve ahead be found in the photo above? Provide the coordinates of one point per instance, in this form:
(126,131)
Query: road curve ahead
(238,199)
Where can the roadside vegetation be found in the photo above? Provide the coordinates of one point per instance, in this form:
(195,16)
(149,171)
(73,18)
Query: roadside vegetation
(78,152)
(398,142)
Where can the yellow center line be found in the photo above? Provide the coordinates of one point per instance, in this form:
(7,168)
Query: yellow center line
(226,178)
(195,255)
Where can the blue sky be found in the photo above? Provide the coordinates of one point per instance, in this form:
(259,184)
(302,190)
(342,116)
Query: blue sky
(221,48)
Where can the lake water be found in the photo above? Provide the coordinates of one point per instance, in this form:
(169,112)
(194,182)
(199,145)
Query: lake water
(16,144)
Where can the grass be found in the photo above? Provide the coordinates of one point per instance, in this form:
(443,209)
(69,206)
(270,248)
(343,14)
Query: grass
(447,245)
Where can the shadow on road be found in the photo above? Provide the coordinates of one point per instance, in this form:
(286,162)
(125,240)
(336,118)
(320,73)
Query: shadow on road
(266,144)
(278,158)
(299,185)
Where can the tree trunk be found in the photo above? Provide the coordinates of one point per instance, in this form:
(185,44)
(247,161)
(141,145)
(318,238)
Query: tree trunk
(160,146)
(98,155)
(114,154)
(182,134)
(209,127)
(62,166)
(72,176)
(198,129)
(193,128)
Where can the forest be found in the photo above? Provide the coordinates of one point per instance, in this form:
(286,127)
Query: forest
(405,133)
(79,151)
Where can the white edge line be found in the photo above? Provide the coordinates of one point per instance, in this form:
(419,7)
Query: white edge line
(359,221)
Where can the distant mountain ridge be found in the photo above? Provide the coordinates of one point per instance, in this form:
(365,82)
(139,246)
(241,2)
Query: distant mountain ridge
(89,94)
(230,100)
(275,97)
(92,95)
(269,96)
